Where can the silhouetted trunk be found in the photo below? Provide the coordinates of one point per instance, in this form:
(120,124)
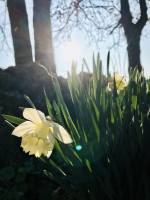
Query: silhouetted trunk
(133,32)
(20,31)
(133,49)
(43,34)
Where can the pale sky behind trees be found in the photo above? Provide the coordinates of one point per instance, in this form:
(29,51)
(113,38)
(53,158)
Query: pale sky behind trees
(76,48)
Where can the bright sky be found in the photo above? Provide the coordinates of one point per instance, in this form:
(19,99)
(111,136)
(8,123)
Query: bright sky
(75,49)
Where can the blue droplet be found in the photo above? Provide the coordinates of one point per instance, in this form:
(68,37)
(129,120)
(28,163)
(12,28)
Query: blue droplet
(78,147)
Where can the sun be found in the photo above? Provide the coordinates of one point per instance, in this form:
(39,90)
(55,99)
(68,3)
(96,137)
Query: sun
(72,51)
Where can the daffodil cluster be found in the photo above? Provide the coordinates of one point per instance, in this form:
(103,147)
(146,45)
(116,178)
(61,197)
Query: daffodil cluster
(39,133)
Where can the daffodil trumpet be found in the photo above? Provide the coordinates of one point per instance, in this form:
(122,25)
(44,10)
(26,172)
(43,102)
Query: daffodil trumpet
(39,133)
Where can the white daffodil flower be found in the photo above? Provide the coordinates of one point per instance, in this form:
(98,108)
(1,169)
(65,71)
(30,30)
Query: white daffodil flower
(39,133)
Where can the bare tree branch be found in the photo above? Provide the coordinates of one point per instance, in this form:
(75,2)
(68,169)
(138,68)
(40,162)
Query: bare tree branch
(144,17)
(126,16)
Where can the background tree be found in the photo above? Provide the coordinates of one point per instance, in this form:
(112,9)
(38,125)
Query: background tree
(42,33)
(20,31)
(44,53)
(133,31)
(104,17)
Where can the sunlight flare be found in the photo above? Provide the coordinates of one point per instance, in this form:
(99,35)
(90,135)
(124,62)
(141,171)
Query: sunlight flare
(72,51)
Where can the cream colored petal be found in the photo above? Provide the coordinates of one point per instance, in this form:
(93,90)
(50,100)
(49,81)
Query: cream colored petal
(45,147)
(50,150)
(24,128)
(34,115)
(61,134)
(37,146)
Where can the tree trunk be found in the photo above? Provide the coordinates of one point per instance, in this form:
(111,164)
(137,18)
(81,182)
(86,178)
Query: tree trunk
(44,53)
(20,31)
(133,49)
(134,56)
(133,32)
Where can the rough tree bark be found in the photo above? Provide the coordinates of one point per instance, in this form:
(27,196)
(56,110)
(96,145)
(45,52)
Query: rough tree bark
(43,34)
(133,32)
(20,31)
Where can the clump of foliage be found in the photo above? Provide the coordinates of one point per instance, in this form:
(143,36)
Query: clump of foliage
(25,182)
(109,157)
